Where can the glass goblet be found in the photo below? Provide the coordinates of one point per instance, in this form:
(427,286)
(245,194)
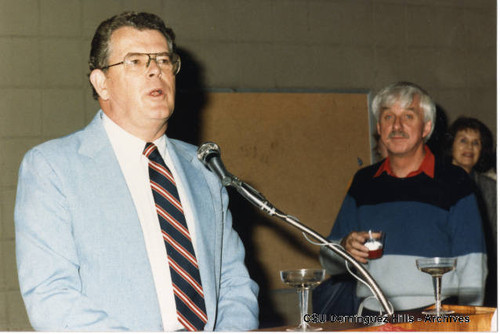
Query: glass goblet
(437,267)
(303,280)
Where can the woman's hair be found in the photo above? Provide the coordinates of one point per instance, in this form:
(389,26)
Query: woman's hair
(486,159)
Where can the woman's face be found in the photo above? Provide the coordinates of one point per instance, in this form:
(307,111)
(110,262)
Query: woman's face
(466,149)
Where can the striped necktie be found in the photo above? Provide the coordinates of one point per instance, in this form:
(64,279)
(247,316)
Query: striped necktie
(184,270)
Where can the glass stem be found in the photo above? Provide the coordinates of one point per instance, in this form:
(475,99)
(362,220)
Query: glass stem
(437,293)
(303,305)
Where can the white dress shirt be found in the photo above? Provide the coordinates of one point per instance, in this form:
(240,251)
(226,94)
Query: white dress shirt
(134,166)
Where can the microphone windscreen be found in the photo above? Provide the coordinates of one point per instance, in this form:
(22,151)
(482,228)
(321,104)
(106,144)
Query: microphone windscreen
(207,150)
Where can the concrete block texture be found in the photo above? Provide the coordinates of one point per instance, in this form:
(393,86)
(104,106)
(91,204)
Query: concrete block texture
(21,57)
(62,111)
(446,46)
(61,18)
(20,18)
(7,198)
(60,62)
(21,112)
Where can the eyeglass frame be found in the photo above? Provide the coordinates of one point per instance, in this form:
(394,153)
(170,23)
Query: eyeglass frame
(151,56)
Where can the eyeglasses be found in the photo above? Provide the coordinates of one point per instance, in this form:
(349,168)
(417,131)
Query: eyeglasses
(139,62)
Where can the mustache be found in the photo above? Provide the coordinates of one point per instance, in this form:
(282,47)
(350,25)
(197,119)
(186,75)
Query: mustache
(398,134)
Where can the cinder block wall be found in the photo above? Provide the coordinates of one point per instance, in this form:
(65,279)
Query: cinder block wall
(447,46)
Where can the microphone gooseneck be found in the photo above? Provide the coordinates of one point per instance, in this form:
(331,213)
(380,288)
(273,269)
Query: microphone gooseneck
(209,154)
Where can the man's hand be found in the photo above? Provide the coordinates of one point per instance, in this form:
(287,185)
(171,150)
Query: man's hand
(354,245)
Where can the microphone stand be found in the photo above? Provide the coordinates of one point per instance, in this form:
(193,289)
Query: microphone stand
(257,199)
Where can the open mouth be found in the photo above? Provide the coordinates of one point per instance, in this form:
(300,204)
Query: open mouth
(156,92)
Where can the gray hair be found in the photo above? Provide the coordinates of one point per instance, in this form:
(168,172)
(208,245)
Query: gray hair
(404,93)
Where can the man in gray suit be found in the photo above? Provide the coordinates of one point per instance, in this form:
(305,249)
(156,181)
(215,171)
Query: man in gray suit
(91,246)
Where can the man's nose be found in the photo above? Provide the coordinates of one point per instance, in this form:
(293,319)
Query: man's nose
(398,123)
(152,66)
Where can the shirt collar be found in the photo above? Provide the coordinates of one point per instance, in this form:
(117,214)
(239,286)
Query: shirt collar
(426,167)
(126,143)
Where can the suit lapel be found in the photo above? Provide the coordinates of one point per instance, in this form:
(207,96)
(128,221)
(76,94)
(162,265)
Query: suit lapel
(197,194)
(208,230)
(105,175)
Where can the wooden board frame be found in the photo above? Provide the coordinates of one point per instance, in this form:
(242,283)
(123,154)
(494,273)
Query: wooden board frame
(300,150)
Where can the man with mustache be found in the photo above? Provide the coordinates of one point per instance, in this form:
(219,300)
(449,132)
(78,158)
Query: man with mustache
(119,227)
(426,209)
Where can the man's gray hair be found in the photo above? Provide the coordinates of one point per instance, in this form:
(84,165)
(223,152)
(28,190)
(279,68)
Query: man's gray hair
(404,93)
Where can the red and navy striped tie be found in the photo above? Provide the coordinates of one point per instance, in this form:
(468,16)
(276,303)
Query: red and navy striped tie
(184,270)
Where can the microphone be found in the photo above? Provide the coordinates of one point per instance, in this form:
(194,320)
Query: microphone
(209,154)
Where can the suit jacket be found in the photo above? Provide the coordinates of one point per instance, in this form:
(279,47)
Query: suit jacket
(81,256)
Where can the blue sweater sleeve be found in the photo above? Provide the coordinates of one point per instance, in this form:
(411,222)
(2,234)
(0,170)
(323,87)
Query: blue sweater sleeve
(466,227)
(344,224)
(346,220)
(469,247)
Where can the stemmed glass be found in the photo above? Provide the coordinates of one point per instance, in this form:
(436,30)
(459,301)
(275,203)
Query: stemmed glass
(303,280)
(437,267)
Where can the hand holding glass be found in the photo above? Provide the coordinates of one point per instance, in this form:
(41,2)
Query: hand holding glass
(303,280)
(375,244)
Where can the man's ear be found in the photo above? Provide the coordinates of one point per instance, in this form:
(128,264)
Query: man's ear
(427,129)
(99,81)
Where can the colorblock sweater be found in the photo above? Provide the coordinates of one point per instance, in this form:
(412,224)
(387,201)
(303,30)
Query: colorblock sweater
(421,217)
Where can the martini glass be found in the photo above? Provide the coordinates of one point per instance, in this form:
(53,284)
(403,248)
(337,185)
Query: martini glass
(303,280)
(437,267)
